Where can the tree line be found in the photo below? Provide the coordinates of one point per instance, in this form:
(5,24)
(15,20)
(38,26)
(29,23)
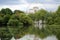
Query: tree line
(16,23)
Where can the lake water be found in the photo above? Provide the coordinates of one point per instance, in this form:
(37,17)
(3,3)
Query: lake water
(32,37)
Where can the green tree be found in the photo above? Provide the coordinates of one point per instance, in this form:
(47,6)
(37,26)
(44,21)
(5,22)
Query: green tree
(40,15)
(19,23)
(58,35)
(18,11)
(26,20)
(6,11)
(6,19)
(32,16)
(5,34)
(58,11)
(1,21)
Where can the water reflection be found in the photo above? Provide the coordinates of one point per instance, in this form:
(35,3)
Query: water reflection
(12,38)
(31,37)
(53,37)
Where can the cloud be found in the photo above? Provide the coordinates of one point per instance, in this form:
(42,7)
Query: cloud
(57,1)
(17,2)
(26,7)
(15,7)
(23,1)
(44,1)
(29,4)
(9,2)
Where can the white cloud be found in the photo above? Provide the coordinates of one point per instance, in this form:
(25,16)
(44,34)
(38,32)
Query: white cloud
(15,7)
(23,1)
(25,7)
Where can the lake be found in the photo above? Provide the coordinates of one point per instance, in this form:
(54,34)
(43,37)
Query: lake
(32,37)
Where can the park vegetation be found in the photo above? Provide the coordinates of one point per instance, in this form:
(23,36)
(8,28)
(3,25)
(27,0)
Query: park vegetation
(17,23)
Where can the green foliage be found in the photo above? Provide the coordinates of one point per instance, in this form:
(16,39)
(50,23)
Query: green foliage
(26,20)
(1,20)
(22,19)
(6,19)
(19,24)
(14,22)
(18,11)
(4,34)
(41,14)
(58,11)
(58,35)
(42,35)
(32,16)
(6,11)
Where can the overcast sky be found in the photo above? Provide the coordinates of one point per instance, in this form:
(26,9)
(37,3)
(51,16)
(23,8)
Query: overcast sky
(28,4)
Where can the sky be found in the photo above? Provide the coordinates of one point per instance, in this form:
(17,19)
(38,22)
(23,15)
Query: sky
(25,5)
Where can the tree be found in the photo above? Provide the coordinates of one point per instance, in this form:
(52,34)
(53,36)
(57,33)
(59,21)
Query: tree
(1,20)
(32,16)
(5,14)
(58,11)
(19,23)
(18,11)
(49,19)
(5,34)
(58,35)
(6,11)
(26,20)
(40,15)
(6,18)
(14,22)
